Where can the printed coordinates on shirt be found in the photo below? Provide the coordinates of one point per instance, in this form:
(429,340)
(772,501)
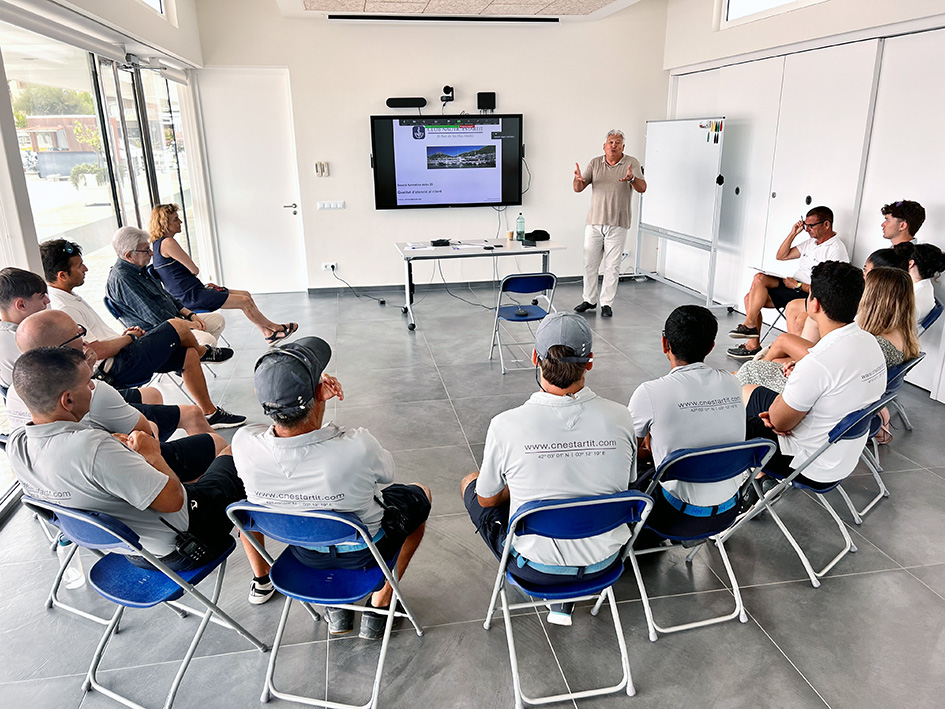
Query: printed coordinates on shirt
(570,449)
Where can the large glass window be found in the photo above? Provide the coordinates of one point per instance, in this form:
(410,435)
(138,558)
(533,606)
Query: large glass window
(741,11)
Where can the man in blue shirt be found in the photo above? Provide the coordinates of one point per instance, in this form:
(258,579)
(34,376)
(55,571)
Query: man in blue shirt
(140,298)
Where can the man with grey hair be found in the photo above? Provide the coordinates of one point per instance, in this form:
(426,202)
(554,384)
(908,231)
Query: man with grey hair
(564,442)
(140,298)
(614,176)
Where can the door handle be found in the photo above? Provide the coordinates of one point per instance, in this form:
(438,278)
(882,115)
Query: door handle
(290,206)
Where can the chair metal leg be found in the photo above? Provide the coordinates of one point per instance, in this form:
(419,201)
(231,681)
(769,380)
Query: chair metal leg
(900,409)
(52,600)
(647,611)
(771,326)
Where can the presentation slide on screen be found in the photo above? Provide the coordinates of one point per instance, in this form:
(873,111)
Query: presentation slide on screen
(448,163)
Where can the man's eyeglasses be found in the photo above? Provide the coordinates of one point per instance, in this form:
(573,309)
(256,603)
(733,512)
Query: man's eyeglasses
(143,251)
(75,337)
(808,227)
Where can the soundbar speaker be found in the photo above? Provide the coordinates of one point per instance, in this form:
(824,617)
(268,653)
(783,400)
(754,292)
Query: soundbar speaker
(415,102)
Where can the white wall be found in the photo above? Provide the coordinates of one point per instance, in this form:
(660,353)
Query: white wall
(572,82)
(177,35)
(692,36)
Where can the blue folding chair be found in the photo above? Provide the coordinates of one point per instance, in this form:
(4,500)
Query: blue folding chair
(894,381)
(575,518)
(537,284)
(852,427)
(127,585)
(702,465)
(340,588)
(923,326)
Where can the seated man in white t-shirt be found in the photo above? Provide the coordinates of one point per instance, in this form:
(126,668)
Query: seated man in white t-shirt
(691,407)
(528,456)
(771,292)
(59,459)
(298,463)
(844,372)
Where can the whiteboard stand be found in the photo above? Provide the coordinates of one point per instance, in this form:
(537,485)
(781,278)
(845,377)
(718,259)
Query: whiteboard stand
(683,170)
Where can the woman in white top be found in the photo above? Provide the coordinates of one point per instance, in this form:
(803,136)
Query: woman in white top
(927,264)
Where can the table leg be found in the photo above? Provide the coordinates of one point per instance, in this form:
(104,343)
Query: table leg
(408,294)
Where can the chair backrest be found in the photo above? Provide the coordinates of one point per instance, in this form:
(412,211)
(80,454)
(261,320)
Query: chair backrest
(112,307)
(857,424)
(93,530)
(715,463)
(580,517)
(897,375)
(933,315)
(300,527)
(528,282)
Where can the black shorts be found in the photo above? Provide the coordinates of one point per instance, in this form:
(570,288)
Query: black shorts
(190,457)
(157,351)
(207,500)
(492,523)
(167,418)
(670,523)
(410,500)
(131,396)
(781,295)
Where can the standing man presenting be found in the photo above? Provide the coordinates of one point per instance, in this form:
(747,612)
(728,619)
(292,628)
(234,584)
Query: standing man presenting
(613,175)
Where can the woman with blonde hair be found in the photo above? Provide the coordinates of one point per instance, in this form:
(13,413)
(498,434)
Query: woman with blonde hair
(887,311)
(178,272)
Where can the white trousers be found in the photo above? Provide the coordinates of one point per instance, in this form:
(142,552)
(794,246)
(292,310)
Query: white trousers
(215,323)
(602,242)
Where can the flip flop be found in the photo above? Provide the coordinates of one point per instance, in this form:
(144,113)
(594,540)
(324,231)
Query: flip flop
(288,329)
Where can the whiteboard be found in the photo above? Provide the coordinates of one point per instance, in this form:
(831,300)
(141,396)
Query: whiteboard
(683,161)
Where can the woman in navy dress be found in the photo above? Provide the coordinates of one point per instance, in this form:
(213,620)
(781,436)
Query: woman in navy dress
(178,272)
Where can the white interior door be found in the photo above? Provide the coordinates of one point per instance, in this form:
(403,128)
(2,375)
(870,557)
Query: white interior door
(250,141)
(906,162)
(822,136)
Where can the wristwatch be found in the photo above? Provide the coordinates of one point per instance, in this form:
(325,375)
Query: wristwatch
(799,287)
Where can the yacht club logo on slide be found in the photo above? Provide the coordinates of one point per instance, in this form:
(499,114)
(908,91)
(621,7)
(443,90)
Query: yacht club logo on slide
(419,132)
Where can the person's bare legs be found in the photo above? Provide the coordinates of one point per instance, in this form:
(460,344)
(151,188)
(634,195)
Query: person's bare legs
(243,300)
(382,598)
(186,336)
(811,331)
(757,299)
(151,396)
(795,313)
(746,392)
(193,421)
(257,563)
(196,383)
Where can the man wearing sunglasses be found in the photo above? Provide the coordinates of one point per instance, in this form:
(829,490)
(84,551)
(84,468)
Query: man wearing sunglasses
(128,359)
(772,292)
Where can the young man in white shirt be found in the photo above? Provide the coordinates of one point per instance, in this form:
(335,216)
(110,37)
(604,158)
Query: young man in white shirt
(134,356)
(844,372)
(22,293)
(691,407)
(771,292)
(299,463)
(564,442)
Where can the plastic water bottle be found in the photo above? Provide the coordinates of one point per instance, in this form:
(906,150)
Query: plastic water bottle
(520,228)
(74,577)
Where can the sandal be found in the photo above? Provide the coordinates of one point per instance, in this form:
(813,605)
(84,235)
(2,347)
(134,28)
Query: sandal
(288,329)
(884,436)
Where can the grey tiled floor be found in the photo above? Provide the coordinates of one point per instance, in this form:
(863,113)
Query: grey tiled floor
(872,636)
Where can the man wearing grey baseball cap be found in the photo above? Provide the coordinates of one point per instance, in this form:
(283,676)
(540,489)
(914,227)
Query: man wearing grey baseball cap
(299,463)
(565,441)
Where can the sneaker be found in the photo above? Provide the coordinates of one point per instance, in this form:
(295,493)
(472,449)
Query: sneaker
(340,620)
(743,333)
(259,593)
(742,352)
(215,355)
(373,624)
(584,306)
(560,613)
(221,418)
(606,311)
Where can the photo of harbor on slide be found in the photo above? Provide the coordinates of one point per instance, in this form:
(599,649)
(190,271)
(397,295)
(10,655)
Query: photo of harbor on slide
(450,157)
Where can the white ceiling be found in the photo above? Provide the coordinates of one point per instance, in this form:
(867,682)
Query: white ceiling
(472,9)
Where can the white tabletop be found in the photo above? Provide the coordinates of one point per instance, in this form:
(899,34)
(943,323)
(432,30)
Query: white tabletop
(472,247)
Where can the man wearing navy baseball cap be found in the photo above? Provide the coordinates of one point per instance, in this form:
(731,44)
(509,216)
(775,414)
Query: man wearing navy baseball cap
(299,463)
(565,441)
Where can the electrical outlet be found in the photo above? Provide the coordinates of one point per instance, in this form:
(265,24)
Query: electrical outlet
(330,266)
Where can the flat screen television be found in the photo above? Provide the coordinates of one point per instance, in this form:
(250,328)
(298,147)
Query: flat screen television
(447,161)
